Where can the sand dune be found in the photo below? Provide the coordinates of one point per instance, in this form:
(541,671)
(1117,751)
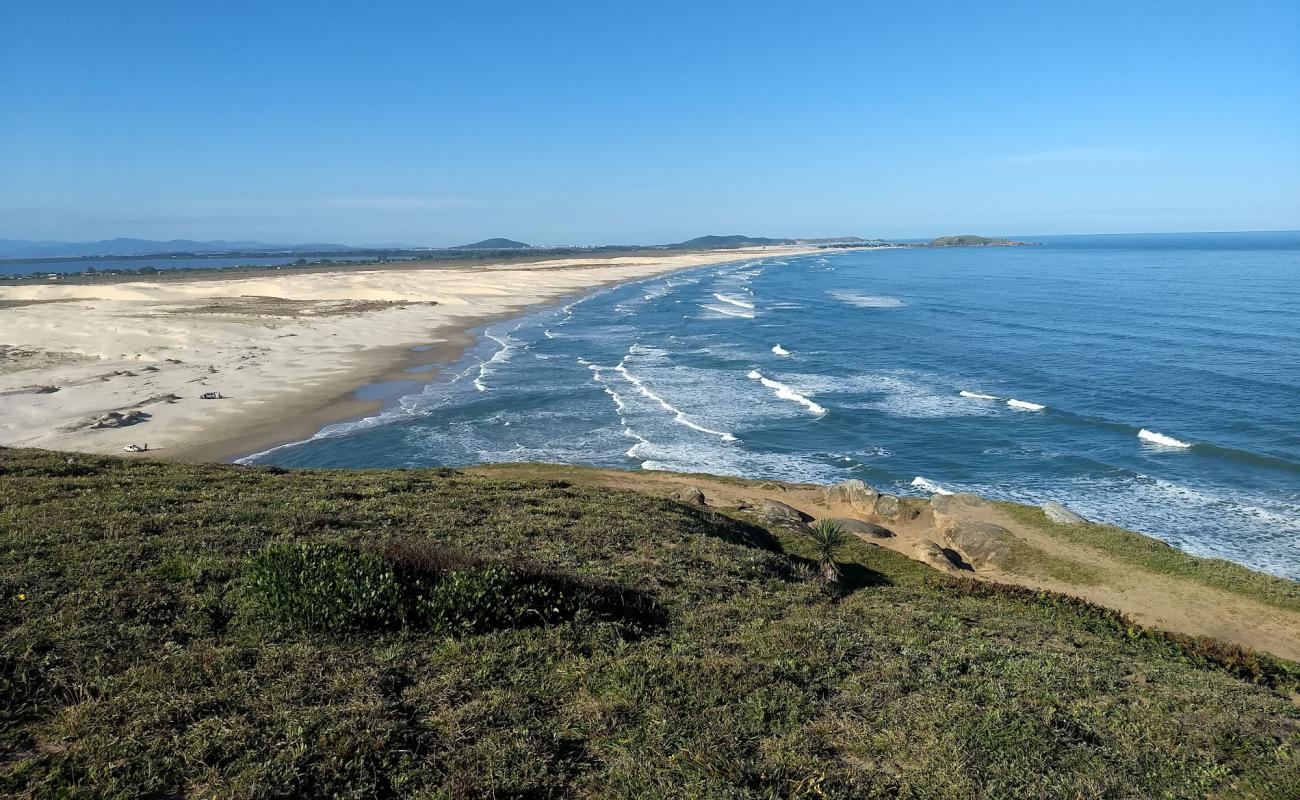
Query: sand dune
(284,350)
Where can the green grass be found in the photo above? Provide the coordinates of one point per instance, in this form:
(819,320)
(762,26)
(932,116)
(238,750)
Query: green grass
(1025,559)
(141,663)
(1156,556)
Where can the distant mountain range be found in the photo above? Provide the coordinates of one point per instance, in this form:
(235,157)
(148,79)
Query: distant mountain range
(24,249)
(20,248)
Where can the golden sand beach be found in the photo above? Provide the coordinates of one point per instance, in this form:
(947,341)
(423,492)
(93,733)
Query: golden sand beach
(285,350)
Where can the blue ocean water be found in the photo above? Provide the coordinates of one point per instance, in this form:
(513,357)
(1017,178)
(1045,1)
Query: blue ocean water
(1019,373)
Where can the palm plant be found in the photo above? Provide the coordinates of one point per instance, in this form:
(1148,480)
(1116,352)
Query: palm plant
(828,539)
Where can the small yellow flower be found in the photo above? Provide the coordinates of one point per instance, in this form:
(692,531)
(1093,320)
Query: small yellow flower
(22,596)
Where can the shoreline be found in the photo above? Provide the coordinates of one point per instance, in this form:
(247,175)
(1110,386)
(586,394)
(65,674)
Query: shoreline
(286,350)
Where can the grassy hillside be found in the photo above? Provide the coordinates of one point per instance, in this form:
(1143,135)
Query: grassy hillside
(141,655)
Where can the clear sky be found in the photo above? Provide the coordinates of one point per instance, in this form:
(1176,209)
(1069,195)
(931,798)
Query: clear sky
(552,122)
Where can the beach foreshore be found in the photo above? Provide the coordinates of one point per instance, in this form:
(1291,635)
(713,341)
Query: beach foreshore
(96,367)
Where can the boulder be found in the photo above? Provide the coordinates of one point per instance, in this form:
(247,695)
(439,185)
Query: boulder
(1060,514)
(931,553)
(863,530)
(690,495)
(950,509)
(983,544)
(854,493)
(778,512)
(951,503)
(893,508)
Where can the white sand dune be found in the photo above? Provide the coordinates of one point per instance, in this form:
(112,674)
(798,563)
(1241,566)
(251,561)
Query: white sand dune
(284,349)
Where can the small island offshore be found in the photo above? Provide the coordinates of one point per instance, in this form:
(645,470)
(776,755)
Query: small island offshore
(970,240)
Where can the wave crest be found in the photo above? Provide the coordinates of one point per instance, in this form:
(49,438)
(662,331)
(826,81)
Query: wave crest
(785,392)
(929,486)
(1025,405)
(1157,438)
(866,300)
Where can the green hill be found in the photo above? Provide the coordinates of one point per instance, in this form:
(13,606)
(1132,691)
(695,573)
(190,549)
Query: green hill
(726,242)
(495,244)
(176,630)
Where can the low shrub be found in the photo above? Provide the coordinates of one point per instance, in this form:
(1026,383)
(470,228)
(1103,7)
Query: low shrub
(423,586)
(323,587)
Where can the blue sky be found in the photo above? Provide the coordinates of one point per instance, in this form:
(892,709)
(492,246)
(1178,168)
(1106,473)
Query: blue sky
(438,123)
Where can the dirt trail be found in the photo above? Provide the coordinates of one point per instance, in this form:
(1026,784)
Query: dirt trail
(1155,599)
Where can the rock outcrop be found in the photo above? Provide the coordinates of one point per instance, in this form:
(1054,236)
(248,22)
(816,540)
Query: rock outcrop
(780,513)
(950,508)
(893,508)
(863,530)
(1061,515)
(983,544)
(690,495)
(931,553)
(856,494)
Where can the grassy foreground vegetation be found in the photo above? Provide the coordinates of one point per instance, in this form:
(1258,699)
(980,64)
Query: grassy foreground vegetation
(154,643)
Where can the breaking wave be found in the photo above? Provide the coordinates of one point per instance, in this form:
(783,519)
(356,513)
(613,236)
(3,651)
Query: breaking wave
(735,301)
(866,300)
(785,392)
(730,312)
(1025,405)
(1160,439)
(928,486)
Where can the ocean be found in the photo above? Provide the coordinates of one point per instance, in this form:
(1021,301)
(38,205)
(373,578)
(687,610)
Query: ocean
(1148,381)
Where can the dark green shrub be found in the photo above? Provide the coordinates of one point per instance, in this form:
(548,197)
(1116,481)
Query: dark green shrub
(427,587)
(326,588)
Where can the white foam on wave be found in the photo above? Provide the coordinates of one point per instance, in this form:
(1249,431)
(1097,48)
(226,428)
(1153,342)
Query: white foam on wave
(899,394)
(866,300)
(929,486)
(1157,438)
(779,350)
(978,396)
(1025,405)
(730,312)
(501,356)
(679,416)
(735,301)
(785,392)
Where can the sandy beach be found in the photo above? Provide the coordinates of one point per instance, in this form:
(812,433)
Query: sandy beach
(96,367)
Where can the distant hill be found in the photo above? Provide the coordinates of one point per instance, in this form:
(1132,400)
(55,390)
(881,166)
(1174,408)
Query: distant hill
(495,244)
(726,242)
(971,240)
(19,248)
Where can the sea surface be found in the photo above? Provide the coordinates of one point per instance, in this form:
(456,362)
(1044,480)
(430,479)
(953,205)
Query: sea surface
(1149,381)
